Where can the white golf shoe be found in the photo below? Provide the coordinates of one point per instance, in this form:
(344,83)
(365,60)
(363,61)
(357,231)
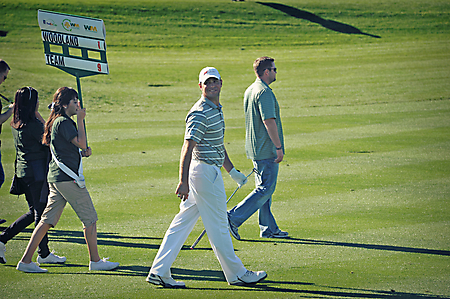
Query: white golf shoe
(249,278)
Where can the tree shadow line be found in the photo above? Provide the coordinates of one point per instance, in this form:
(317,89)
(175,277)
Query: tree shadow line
(112,239)
(354,245)
(305,15)
(105,239)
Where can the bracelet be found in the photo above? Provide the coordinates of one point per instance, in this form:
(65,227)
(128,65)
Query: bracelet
(278,148)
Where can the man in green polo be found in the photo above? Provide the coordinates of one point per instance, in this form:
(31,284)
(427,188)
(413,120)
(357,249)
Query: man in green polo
(265,146)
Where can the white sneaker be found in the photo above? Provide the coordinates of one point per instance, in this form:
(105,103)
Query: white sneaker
(102,265)
(250,277)
(51,259)
(2,253)
(30,268)
(166,282)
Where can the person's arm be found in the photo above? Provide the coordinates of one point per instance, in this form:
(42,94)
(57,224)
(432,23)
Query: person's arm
(80,139)
(4,116)
(182,190)
(272,130)
(227,163)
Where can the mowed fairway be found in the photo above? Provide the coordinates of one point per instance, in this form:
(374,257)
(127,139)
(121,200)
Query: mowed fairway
(364,187)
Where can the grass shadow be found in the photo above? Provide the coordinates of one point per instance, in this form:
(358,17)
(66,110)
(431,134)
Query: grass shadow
(342,292)
(111,239)
(300,291)
(305,15)
(355,245)
(105,239)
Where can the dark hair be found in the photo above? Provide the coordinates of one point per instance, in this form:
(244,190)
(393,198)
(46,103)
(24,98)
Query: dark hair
(25,102)
(3,66)
(61,97)
(261,64)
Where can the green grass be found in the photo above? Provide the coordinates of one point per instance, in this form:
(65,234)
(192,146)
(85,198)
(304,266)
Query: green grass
(363,189)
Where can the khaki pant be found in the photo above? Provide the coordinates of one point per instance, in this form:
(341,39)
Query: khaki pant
(78,198)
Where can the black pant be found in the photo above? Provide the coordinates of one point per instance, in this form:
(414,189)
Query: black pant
(32,195)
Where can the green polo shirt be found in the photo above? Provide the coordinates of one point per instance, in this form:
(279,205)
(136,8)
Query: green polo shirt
(260,104)
(64,130)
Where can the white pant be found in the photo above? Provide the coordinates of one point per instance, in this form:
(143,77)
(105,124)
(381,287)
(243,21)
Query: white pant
(207,199)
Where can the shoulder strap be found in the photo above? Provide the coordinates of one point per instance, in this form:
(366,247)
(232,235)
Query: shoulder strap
(78,178)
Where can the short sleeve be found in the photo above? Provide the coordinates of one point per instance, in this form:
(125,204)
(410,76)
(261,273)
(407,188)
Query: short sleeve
(266,105)
(195,126)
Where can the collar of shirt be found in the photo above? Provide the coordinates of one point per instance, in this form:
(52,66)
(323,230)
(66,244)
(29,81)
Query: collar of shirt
(210,103)
(258,80)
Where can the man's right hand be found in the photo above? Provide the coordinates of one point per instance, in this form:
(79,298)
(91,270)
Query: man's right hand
(182,191)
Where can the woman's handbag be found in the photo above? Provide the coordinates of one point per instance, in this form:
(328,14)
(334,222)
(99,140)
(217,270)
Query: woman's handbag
(16,186)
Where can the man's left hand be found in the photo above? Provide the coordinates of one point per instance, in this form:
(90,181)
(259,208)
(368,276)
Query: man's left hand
(238,177)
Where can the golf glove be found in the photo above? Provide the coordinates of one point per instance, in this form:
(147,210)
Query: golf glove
(238,177)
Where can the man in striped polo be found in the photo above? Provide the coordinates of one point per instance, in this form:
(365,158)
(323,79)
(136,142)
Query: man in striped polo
(202,191)
(265,146)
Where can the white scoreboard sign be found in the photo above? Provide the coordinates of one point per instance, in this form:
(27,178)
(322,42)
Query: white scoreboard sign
(74,44)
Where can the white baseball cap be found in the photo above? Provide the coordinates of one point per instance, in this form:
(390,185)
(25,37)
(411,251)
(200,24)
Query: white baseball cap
(208,72)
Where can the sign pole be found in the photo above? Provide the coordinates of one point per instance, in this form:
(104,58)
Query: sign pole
(80,99)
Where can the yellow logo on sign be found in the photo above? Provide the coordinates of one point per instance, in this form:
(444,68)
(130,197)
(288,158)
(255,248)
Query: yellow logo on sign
(68,25)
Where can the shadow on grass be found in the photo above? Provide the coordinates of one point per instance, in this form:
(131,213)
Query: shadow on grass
(302,14)
(355,245)
(112,239)
(341,292)
(293,287)
(105,239)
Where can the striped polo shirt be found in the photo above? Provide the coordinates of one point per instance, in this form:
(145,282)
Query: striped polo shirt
(205,125)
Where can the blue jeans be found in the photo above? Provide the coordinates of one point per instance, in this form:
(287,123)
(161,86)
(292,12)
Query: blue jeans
(259,199)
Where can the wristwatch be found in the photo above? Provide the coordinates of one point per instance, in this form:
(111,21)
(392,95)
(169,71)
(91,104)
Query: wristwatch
(278,148)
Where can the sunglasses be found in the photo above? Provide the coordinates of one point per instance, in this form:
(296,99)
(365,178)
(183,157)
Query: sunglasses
(273,68)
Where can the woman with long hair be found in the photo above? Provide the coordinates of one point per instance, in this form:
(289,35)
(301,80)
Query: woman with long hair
(65,179)
(31,167)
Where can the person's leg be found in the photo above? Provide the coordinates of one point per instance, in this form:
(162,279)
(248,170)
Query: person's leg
(208,190)
(265,183)
(267,223)
(38,208)
(90,235)
(23,221)
(2,180)
(81,202)
(2,173)
(19,225)
(177,233)
(38,233)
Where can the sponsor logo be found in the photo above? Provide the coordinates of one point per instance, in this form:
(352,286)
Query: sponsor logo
(69,26)
(90,28)
(49,22)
